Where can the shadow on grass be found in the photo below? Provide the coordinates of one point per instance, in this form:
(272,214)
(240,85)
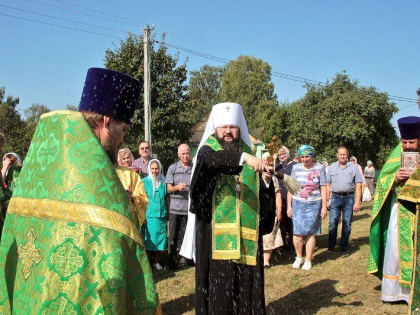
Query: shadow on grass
(361,217)
(180,305)
(309,300)
(322,244)
(166,273)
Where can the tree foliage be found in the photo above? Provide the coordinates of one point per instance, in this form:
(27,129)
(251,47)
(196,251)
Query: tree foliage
(247,81)
(168,95)
(343,112)
(32,115)
(203,91)
(12,125)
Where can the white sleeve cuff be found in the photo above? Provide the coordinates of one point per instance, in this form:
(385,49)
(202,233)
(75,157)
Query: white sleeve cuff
(241,161)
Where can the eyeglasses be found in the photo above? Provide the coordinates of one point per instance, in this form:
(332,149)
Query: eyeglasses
(145,148)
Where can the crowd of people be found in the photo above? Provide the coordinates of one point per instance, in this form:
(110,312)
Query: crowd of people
(101,226)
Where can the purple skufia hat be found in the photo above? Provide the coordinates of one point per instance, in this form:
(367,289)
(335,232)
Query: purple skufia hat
(110,93)
(409,127)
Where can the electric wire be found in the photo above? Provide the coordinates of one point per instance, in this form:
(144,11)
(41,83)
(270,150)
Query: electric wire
(63,19)
(97,11)
(58,26)
(187,50)
(82,13)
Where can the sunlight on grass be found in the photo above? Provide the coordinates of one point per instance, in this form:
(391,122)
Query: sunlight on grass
(337,284)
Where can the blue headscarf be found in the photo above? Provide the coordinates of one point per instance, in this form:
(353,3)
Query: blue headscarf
(306,150)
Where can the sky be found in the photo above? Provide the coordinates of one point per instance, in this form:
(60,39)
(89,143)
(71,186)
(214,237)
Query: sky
(375,42)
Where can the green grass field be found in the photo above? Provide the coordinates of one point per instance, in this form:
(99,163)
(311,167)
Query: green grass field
(337,284)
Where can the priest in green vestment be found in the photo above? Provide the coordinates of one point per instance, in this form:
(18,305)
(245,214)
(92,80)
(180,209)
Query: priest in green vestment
(225,222)
(70,245)
(394,224)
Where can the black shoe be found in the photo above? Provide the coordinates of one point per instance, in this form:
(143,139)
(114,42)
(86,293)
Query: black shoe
(267,266)
(343,249)
(331,249)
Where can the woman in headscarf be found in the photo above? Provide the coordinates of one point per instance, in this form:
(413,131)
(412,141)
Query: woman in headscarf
(11,167)
(308,206)
(155,228)
(370,177)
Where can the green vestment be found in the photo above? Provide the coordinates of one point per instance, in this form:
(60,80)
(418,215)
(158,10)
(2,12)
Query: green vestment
(69,243)
(381,211)
(409,196)
(235,209)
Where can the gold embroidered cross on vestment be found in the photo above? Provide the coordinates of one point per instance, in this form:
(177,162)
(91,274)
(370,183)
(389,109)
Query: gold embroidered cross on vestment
(29,254)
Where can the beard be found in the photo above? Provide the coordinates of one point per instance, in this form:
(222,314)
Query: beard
(111,145)
(229,146)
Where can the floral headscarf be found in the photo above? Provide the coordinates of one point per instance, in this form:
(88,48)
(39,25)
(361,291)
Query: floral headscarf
(306,150)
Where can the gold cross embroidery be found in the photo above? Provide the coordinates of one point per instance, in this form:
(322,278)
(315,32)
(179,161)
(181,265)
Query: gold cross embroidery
(29,254)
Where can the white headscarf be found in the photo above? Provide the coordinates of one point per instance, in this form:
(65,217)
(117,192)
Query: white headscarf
(18,159)
(156,180)
(221,114)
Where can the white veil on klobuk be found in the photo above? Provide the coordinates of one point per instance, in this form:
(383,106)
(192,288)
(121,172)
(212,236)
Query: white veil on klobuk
(221,114)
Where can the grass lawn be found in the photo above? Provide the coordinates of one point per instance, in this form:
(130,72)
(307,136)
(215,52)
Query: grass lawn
(337,284)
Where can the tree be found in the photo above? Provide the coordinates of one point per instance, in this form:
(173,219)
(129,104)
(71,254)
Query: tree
(270,120)
(12,125)
(168,95)
(343,112)
(203,90)
(71,107)
(247,81)
(32,115)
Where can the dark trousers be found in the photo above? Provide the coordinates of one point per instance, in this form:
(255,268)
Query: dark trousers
(177,225)
(340,204)
(286,226)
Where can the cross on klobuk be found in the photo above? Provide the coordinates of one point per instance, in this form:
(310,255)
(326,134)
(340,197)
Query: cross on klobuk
(227,108)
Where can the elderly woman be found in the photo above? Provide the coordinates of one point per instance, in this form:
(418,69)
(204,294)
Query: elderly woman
(126,159)
(308,205)
(133,184)
(270,209)
(155,228)
(286,224)
(11,167)
(370,177)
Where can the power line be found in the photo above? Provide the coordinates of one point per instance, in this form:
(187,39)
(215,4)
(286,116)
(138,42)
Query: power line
(63,19)
(187,50)
(97,11)
(59,26)
(82,13)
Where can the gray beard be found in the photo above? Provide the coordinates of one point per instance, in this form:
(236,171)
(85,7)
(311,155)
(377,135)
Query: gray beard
(229,146)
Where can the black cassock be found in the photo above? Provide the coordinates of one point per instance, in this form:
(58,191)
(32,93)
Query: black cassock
(224,286)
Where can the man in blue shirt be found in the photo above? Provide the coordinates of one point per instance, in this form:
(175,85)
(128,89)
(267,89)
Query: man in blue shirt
(344,188)
(178,180)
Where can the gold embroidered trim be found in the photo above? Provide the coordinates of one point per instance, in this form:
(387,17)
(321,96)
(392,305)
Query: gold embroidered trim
(75,212)
(389,277)
(29,254)
(61,112)
(413,182)
(230,228)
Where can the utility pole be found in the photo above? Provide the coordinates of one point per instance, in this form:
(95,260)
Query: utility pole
(147,98)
